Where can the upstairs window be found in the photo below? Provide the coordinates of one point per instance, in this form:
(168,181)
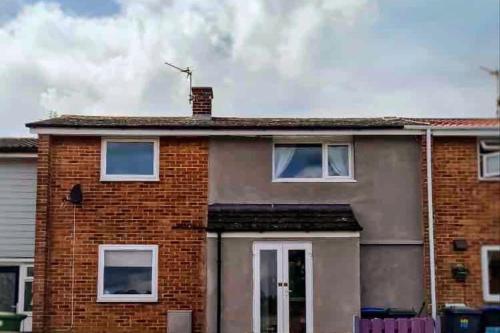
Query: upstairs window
(489,159)
(313,162)
(490,262)
(129,159)
(128,273)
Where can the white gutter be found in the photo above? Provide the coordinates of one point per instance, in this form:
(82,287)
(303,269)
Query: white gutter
(430,215)
(217,132)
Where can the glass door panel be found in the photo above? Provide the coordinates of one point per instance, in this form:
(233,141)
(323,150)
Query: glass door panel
(268,291)
(297,291)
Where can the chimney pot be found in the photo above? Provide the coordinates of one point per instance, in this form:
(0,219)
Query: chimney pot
(202,102)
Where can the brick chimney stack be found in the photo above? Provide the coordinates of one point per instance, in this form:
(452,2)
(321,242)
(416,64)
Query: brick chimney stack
(202,102)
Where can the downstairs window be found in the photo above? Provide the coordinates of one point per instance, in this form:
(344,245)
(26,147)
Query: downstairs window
(490,262)
(128,273)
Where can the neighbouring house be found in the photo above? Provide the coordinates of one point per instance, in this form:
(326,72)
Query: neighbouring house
(251,224)
(466,202)
(17,225)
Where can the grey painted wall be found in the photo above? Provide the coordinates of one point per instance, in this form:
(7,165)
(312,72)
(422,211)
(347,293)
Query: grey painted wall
(386,200)
(336,286)
(392,276)
(17,207)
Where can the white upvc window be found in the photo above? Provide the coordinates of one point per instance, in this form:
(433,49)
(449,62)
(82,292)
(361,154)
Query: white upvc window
(489,159)
(130,159)
(313,162)
(128,273)
(490,264)
(25,304)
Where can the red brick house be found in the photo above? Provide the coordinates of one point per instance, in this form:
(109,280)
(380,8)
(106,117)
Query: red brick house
(466,205)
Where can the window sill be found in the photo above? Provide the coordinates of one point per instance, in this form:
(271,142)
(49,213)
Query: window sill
(492,179)
(128,299)
(122,178)
(315,180)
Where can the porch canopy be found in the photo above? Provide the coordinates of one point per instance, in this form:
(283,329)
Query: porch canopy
(281,217)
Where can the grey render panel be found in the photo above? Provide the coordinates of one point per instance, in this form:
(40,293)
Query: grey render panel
(336,283)
(386,201)
(385,198)
(392,276)
(17,207)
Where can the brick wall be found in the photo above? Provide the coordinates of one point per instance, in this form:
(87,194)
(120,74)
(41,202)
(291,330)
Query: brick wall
(464,208)
(118,213)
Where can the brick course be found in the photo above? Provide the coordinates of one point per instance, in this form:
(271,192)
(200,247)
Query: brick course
(118,213)
(464,208)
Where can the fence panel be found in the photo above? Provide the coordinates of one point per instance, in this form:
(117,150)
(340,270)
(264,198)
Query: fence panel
(399,325)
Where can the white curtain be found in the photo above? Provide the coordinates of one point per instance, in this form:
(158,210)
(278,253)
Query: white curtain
(338,161)
(282,159)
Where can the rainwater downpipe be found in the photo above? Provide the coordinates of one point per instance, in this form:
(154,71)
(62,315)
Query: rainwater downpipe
(430,215)
(219,279)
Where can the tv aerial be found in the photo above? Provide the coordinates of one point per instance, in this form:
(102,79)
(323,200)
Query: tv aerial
(496,74)
(189,75)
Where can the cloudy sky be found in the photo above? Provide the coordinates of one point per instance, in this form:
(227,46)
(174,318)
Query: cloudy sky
(315,58)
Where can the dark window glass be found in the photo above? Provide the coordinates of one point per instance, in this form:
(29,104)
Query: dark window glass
(128,272)
(297,290)
(494,271)
(28,296)
(298,161)
(268,291)
(130,158)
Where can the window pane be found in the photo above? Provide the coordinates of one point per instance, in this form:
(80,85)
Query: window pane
(268,291)
(297,290)
(493,164)
(128,272)
(130,158)
(29,271)
(494,271)
(338,161)
(298,161)
(28,296)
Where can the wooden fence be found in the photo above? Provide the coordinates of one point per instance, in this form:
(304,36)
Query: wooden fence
(399,325)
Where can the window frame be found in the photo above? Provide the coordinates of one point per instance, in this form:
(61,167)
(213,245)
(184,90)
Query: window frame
(487,296)
(23,278)
(324,163)
(131,177)
(482,143)
(124,298)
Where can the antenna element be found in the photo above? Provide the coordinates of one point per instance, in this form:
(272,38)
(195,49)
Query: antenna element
(496,74)
(189,75)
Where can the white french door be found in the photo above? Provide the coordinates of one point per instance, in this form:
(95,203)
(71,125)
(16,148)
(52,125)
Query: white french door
(282,295)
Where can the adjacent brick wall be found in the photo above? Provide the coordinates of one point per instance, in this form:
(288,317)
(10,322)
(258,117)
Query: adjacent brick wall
(464,208)
(119,213)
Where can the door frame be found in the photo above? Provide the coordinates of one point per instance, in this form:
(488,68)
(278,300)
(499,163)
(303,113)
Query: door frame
(282,248)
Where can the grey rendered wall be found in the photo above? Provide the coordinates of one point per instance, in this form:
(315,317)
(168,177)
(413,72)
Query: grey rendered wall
(17,207)
(336,286)
(386,201)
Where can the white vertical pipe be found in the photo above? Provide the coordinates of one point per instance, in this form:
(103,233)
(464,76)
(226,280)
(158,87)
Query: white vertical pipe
(430,215)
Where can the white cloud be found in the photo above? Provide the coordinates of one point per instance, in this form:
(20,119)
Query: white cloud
(263,58)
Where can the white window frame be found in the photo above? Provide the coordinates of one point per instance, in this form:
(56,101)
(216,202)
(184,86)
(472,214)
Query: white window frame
(483,175)
(486,174)
(102,298)
(487,296)
(324,167)
(156,161)
(23,278)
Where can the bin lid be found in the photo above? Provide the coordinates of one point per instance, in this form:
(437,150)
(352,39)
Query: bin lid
(462,310)
(11,315)
(373,309)
(491,308)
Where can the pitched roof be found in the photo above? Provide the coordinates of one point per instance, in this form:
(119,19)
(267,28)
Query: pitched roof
(223,123)
(282,217)
(458,123)
(18,145)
